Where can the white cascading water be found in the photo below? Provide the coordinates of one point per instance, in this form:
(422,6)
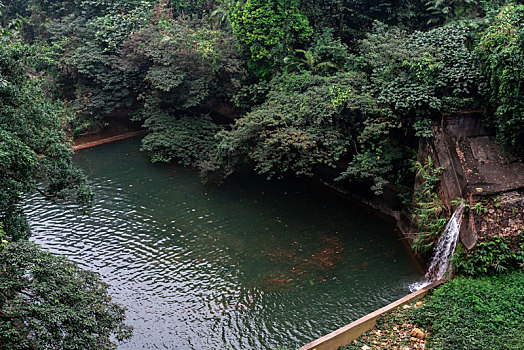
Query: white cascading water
(443,251)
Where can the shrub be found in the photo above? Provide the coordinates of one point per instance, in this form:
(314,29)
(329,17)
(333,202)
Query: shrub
(501,51)
(184,139)
(428,210)
(489,258)
(302,126)
(268,30)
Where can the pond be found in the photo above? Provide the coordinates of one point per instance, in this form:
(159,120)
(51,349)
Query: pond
(251,264)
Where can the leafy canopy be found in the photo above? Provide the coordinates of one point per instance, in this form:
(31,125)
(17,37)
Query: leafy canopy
(33,153)
(268,30)
(48,302)
(501,51)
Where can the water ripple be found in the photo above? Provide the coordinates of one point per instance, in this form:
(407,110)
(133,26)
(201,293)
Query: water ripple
(250,265)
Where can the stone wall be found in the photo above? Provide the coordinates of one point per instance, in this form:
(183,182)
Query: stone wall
(478,170)
(475,168)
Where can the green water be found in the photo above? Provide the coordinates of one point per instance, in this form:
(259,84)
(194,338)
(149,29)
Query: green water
(249,265)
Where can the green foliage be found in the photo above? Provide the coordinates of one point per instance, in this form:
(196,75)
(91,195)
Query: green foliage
(478,208)
(496,201)
(302,126)
(501,51)
(268,30)
(325,56)
(3,241)
(420,75)
(490,257)
(88,41)
(33,154)
(352,19)
(428,209)
(47,302)
(160,60)
(184,63)
(475,313)
(190,6)
(413,78)
(377,152)
(186,67)
(251,95)
(328,47)
(447,10)
(221,14)
(306,60)
(186,139)
(444,11)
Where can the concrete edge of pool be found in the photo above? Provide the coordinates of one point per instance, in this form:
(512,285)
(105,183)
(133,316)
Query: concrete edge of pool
(355,329)
(102,141)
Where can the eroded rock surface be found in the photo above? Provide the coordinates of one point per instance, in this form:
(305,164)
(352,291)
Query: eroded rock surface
(478,170)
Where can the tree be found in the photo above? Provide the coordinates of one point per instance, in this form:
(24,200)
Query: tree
(303,126)
(188,69)
(352,19)
(33,151)
(501,51)
(88,44)
(48,302)
(268,30)
(446,10)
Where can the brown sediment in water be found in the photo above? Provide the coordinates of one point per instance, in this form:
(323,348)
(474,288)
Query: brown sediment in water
(301,268)
(79,144)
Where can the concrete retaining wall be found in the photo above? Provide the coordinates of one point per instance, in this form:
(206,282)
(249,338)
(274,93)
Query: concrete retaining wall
(352,331)
(102,141)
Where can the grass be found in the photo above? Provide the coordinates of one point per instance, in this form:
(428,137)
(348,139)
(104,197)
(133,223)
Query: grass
(465,313)
(476,313)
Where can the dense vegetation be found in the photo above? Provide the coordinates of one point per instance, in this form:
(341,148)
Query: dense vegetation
(49,303)
(489,258)
(33,154)
(465,313)
(481,313)
(45,302)
(341,90)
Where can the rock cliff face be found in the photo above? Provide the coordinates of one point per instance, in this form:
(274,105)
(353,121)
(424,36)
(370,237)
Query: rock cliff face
(478,170)
(475,169)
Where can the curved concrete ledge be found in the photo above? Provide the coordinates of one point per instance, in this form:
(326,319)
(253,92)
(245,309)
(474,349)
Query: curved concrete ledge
(107,140)
(352,331)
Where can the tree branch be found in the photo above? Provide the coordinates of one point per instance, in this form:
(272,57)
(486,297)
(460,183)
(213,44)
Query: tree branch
(48,196)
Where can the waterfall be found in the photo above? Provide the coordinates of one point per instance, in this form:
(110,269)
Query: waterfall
(443,251)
